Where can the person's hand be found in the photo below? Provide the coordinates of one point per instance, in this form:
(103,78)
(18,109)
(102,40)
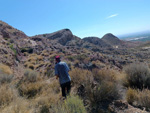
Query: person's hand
(57,77)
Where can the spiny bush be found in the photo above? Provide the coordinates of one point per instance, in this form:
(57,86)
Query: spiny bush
(137,76)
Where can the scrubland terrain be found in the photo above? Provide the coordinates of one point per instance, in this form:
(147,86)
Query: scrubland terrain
(108,75)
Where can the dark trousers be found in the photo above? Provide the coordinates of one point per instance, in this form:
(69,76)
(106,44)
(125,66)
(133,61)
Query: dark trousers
(65,88)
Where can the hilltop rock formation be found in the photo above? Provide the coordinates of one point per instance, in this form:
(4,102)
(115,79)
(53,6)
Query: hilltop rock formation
(96,41)
(112,40)
(63,36)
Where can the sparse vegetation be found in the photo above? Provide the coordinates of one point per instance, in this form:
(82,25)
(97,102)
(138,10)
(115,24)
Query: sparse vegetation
(98,78)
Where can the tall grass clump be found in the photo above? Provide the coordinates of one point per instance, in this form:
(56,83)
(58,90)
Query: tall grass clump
(131,96)
(137,76)
(19,105)
(5,74)
(139,98)
(5,69)
(7,95)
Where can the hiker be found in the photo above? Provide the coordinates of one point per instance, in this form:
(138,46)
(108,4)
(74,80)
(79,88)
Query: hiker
(61,72)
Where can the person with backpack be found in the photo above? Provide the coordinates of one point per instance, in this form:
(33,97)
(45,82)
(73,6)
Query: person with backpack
(61,72)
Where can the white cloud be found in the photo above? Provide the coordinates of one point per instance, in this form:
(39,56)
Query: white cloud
(111,16)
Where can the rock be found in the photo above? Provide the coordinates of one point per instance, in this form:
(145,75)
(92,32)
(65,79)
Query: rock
(120,106)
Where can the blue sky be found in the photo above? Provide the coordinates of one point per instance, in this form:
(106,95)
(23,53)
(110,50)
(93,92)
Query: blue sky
(83,17)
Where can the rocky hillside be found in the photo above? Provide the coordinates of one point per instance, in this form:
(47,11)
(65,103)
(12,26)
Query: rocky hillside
(7,32)
(96,70)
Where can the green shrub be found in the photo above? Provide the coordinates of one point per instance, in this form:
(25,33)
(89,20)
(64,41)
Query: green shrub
(72,104)
(14,50)
(137,76)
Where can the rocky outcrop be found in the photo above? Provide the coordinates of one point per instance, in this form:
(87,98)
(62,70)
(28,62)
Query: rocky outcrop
(120,106)
(7,32)
(63,36)
(96,41)
(113,41)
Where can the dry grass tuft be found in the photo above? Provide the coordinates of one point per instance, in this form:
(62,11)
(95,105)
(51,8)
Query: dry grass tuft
(7,95)
(132,95)
(30,90)
(79,76)
(19,105)
(30,76)
(5,69)
(139,98)
(30,85)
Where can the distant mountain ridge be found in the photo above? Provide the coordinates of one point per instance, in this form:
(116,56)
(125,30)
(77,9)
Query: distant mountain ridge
(62,38)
